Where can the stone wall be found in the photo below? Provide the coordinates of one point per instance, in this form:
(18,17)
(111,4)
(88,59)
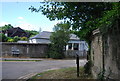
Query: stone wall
(24,49)
(96,53)
(105,52)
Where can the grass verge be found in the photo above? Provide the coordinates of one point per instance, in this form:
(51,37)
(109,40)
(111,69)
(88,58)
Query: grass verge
(22,60)
(65,73)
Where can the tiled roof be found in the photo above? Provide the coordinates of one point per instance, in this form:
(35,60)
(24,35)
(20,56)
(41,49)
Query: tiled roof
(46,35)
(17,31)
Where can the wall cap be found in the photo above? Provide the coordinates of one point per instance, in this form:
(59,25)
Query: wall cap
(23,43)
(97,31)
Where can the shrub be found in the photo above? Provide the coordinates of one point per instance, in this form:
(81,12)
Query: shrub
(16,38)
(24,38)
(10,40)
(87,67)
(56,55)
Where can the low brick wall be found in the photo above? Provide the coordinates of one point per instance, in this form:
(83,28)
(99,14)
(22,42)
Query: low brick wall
(24,49)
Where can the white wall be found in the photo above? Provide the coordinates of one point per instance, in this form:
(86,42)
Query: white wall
(39,41)
(43,41)
(82,44)
(32,41)
(73,41)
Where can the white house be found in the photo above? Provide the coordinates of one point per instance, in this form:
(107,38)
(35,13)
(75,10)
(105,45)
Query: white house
(43,37)
(74,44)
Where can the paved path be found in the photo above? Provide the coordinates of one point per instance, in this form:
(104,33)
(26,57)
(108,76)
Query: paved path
(15,70)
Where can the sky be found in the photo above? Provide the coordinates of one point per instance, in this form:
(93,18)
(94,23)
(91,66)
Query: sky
(18,15)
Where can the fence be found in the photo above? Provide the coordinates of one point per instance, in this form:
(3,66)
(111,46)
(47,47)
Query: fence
(33,50)
(72,53)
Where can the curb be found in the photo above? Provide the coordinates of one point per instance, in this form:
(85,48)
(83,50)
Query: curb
(27,76)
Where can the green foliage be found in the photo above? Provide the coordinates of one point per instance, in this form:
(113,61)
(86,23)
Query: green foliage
(84,18)
(13,39)
(109,18)
(59,40)
(32,32)
(54,53)
(24,38)
(6,27)
(81,15)
(100,76)
(0,37)
(16,38)
(3,38)
(10,40)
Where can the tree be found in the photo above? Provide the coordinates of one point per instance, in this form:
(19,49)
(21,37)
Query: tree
(32,32)
(59,40)
(3,38)
(77,13)
(84,17)
(6,27)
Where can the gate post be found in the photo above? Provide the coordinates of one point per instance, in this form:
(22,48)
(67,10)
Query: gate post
(77,62)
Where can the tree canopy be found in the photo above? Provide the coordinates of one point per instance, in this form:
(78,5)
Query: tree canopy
(83,16)
(6,27)
(32,32)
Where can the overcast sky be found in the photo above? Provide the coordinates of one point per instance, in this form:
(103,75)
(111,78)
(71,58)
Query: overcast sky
(18,15)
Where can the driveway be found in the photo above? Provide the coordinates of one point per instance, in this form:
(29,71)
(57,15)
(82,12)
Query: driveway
(16,70)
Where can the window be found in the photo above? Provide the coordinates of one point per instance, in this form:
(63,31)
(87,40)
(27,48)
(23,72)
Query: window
(76,46)
(70,46)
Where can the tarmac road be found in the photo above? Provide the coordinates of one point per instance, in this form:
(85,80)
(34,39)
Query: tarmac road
(16,69)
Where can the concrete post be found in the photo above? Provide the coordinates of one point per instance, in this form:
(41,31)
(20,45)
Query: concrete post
(66,47)
(72,46)
(79,46)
